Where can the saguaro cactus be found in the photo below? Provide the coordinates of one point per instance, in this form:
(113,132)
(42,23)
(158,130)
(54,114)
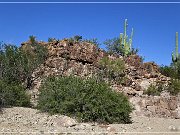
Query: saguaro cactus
(175,54)
(125,45)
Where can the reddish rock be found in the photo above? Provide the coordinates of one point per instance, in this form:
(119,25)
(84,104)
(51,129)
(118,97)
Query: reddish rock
(66,58)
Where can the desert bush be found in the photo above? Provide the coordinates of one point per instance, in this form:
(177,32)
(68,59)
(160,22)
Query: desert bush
(13,95)
(169,71)
(32,39)
(154,90)
(172,71)
(112,67)
(86,100)
(17,64)
(11,64)
(174,87)
(114,46)
(77,38)
(52,39)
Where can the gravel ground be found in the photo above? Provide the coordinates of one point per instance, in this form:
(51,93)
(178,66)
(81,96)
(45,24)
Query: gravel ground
(19,120)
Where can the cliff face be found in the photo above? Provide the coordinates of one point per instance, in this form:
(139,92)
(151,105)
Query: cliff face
(82,59)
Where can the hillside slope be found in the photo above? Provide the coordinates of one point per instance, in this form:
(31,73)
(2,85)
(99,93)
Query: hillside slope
(83,59)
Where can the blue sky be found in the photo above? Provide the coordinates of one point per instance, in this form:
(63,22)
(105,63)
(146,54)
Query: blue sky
(154,24)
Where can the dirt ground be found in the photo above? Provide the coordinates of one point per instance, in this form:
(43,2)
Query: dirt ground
(19,120)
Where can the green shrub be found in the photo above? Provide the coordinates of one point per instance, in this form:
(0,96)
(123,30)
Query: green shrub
(11,63)
(77,38)
(52,39)
(154,90)
(112,66)
(17,64)
(169,71)
(174,87)
(32,39)
(114,46)
(13,95)
(113,69)
(172,71)
(85,100)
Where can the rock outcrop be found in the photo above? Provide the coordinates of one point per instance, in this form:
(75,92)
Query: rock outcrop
(157,106)
(82,59)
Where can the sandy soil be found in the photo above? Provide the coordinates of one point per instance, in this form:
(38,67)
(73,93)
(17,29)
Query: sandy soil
(18,120)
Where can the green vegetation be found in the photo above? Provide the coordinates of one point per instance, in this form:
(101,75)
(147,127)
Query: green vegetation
(174,87)
(52,39)
(13,95)
(32,39)
(86,100)
(173,71)
(112,46)
(16,67)
(77,38)
(112,67)
(125,46)
(175,55)
(122,45)
(115,65)
(154,90)
(169,71)
(17,64)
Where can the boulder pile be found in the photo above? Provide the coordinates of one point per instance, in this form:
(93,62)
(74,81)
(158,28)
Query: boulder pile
(82,59)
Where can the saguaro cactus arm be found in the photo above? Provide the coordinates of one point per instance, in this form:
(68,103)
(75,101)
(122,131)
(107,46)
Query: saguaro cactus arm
(175,54)
(130,40)
(125,29)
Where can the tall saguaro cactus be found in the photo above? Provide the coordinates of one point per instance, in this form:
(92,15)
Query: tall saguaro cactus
(175,54)
(125,43)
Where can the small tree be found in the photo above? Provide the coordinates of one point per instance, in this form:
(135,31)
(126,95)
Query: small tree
(77,38)
(51,39)
(17,64)
(32,39)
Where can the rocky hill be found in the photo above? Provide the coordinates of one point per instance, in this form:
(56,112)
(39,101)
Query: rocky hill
(83,59)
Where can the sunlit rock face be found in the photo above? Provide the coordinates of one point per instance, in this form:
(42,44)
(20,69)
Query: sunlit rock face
(81,59)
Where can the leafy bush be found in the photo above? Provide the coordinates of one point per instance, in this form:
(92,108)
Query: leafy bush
(114,46)
(174,87)
(77,38)
(13,95)
(172,71)
(16,67)
(113,69)
(169,71)
(113,65)
(17,64)
(85,100)
(32,39)
(11,63)
(154,90)
(51,39)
